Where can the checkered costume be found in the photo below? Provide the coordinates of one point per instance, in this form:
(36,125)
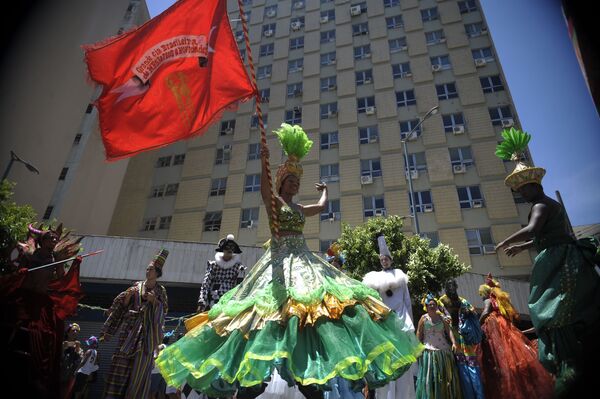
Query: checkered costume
(221,276)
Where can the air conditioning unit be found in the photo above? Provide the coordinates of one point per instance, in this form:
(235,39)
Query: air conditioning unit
(227,148)
(355,10)
(428,208)
(458,129)
(296,25)
(297,93)
(458,169)
(250,224)
(484,30)
(239,37)
(477,203)
(331,87)
(332,114)
(367,81)
(324,19)
(373,139)
(480,62)
(269,33)
(370,110)
(271,13)
(436,67)
(298,5)
(332,62)
(403,48)
(254,127)
(368,55)
(414,174)
(331,217)
(489,249)
(406,74)
(297,109)
(380,212)
(442,40)
(412,136)
(508,122)
(229,130)
(368,179)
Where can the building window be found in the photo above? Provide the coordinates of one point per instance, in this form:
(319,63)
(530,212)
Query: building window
(429,14)
(329,140)
(48,212)
(402,70)
(499,114)
(157,191)
(422,201)
(394,22)
(476,29)
(254,121)
(328,110)
(443,62)
(483,54)
(469,197)
(467,6)
(363,6)
(297,43)
(212,221)
(435,37)
(150,224)
(249,218)
(364,77)
(433,237)
(227,127)
(390,3)
(328,58)
(298,4)
(332,211)
(295,65)
(171,189)
(368,134)
(417,161)
(264,95)
(163,162)
(268,30)
(266,49)
(271,11)
(362,52)
(405,98)
(451,121)
(370,167)
(297,23)
(178,159)
(252,183)
(491,84)
(330,173)
(360,29)
(223,156)
(480,241)
(294,117)
(328,36)
(398,44)
(406,127)
(461,156)
(363,103)
(446,91)
(63,173)
(294,90)
(77,139)
(329,84)
(218,187)
(264,72)
(328,15)
(164,222)
(253,151)
(373,206)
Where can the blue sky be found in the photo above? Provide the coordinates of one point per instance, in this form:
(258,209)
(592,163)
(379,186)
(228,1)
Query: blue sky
(550,96)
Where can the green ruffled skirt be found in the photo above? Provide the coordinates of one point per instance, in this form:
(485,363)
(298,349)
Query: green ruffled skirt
(296,312)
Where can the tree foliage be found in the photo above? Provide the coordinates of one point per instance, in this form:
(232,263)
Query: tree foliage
(14,220)
(428,269)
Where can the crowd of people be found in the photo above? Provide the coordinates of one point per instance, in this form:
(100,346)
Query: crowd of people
(296,325)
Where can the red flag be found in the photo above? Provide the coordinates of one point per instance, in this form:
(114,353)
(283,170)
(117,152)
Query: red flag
(169,79)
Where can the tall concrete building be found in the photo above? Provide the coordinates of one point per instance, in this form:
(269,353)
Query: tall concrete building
(358,76)
(47,117)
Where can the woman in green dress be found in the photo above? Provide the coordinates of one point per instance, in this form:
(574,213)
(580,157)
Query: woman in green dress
(293,312)
(564,299)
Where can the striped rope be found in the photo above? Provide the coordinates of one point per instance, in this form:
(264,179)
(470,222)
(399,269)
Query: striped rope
(274,222)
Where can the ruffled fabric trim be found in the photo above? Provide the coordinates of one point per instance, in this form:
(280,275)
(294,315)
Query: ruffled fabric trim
(385,280)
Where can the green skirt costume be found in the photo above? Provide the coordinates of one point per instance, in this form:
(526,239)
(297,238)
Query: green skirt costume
(296,312)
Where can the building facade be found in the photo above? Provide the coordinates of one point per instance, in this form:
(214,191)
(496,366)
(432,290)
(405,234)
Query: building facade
(357,75)
(47,117)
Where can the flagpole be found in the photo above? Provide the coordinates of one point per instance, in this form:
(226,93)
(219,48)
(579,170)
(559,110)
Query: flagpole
(261,124)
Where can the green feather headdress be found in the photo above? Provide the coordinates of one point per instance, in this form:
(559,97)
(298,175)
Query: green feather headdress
(513,149)
(296,145)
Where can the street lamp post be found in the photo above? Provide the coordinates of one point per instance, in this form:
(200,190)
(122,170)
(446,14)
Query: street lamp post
(413,212)
(14,157)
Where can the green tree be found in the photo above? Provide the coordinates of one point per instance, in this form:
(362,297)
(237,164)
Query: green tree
(14,220)
(427,268)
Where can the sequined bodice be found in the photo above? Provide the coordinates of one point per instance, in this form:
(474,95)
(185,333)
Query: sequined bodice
(290,219)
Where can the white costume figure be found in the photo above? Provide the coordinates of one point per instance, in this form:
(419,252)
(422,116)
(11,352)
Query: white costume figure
(392,285)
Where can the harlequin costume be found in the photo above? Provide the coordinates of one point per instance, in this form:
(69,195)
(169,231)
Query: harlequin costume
(564,298)
(293,312)
(510,366)
(141,324)
(33,307)
(221,275)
